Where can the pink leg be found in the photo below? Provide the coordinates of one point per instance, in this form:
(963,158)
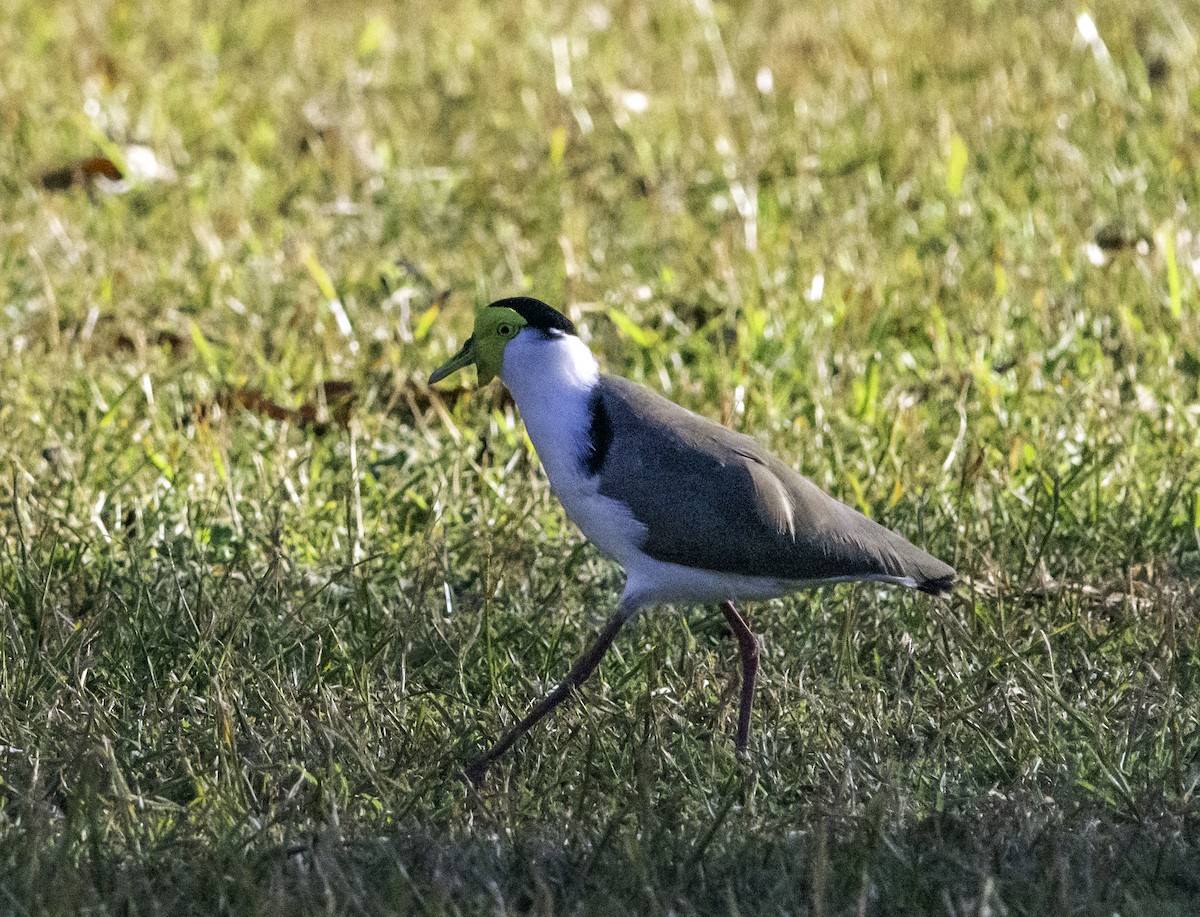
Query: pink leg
(579,673)
(748,647)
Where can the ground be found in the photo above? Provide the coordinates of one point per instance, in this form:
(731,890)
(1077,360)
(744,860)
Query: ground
(263,591)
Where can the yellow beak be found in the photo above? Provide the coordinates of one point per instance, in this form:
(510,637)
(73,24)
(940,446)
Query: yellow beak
(464,357)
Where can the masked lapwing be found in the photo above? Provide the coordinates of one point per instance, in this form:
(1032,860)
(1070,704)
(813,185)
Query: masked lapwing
(693,512)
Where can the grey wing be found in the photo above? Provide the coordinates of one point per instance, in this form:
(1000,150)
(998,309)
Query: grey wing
(714,499)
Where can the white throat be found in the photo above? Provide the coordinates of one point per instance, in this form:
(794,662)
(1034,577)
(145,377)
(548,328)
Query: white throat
(551,379)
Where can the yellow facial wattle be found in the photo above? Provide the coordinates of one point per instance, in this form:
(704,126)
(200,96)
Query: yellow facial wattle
(495,326)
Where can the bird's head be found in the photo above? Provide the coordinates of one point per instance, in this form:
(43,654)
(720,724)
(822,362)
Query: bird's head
(495,326)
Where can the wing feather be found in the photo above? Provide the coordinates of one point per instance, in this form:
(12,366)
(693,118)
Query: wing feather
(714,499)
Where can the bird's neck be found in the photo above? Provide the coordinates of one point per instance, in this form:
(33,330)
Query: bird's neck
(551,379)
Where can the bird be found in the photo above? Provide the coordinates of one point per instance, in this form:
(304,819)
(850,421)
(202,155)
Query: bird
(693,512)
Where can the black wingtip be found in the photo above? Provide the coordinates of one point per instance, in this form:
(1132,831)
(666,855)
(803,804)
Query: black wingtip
(942,585)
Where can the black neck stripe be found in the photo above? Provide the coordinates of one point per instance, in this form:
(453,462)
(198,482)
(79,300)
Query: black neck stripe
(600,435)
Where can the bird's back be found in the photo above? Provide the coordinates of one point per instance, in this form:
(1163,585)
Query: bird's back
(714,499)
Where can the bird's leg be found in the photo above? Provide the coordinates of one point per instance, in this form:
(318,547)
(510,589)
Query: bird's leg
(748,648)
(580,671)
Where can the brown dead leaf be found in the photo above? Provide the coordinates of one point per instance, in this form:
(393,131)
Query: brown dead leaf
(84,173)
(332,403)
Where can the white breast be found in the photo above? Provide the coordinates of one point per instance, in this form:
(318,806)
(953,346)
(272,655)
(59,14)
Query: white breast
(551,378)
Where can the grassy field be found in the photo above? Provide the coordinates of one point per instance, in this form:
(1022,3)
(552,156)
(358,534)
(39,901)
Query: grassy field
(263,592)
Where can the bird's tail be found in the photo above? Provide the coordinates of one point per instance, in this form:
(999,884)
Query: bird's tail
(941,585)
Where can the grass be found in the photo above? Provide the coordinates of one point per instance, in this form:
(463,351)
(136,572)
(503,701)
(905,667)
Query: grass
(263,591)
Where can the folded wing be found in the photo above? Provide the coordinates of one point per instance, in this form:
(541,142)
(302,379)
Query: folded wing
(713,499)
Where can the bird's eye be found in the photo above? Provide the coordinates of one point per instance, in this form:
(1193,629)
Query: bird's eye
(505,330)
